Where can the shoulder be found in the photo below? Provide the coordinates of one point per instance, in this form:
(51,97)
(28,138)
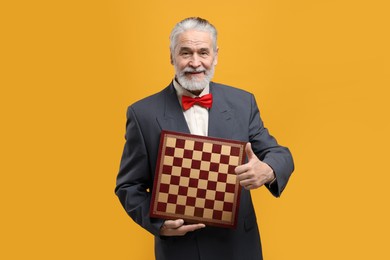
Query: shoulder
(231,95)
(153,102)
(222,88)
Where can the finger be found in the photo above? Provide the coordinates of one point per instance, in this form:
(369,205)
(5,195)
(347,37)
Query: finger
(248,187)
(173,223)
(243,176)
(251,184)
(249,152)
(241,169)
(192,227)
(182,230)
(245,183)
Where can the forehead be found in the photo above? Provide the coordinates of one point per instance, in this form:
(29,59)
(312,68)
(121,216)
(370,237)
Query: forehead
(194,39)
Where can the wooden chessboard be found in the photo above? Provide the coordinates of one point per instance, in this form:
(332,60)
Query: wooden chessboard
(195,179)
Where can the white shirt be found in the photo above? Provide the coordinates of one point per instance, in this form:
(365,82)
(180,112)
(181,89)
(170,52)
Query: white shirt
(197,117)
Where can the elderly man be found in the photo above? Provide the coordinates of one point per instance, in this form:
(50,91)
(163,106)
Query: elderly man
(227,113)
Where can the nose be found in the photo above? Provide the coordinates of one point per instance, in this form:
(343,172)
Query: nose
(195,61)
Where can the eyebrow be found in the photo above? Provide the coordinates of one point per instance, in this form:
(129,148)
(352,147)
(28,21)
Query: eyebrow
(185,49)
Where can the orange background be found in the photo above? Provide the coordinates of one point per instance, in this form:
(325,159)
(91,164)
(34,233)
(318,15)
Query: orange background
(320,73)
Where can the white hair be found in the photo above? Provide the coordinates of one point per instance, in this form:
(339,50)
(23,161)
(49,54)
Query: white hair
(192,23)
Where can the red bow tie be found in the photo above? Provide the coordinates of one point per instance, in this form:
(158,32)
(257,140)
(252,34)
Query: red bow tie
(204,101)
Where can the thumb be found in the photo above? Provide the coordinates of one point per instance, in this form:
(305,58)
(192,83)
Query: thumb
(249,152)
(173,223)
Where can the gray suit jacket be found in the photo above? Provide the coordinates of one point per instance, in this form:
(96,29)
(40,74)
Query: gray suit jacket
(234,115)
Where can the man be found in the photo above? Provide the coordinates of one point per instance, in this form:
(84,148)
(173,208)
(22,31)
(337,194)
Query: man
(233,114)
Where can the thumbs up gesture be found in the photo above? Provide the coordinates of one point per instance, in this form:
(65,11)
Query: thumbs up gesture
(254,173)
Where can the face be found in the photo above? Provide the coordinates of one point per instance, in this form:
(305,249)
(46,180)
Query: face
(194,59)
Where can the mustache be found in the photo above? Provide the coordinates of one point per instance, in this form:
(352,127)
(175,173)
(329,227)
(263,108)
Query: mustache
(192,70)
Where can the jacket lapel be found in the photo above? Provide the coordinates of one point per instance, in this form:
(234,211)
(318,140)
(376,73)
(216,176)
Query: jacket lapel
(221,122)
(173,118)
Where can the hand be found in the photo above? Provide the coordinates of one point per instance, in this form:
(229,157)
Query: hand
(254,173)
(177,228)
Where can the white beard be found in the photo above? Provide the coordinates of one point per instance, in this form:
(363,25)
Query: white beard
(193,84)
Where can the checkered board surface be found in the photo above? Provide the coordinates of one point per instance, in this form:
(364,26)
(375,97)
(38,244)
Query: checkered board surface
(195,179)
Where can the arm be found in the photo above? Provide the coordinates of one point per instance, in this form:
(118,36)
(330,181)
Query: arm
(270,161)
(135,177)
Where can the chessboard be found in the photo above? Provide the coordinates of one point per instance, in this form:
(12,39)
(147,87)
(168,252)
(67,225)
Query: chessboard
(195,179)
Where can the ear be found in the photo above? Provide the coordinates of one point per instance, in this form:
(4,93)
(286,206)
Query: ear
(216,57)
(171,58)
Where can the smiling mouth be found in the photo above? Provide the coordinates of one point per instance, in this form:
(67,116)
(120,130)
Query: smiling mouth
(194,72)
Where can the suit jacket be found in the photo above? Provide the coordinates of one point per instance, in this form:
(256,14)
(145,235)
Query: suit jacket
(234,115)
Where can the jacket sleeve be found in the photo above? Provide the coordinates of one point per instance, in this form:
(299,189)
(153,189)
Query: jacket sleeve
(134,180)
(269,151)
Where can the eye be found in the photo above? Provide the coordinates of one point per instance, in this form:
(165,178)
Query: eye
(204,53)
